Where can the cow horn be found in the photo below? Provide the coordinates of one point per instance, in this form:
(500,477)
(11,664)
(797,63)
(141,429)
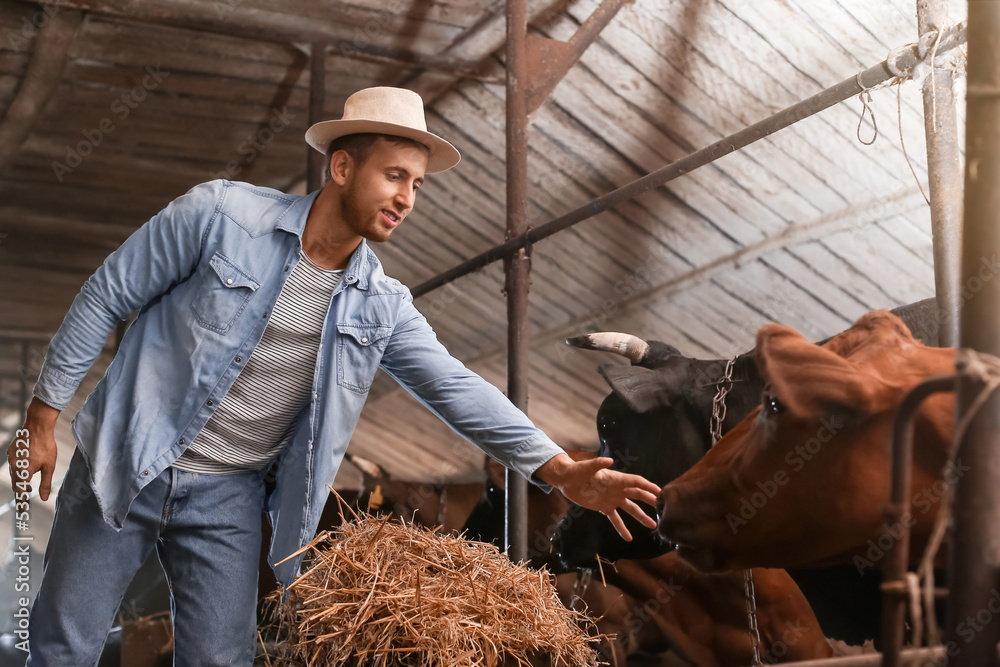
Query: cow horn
(367,467)
(631,347)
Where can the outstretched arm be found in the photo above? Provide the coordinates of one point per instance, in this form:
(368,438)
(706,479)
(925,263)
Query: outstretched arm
(592,484)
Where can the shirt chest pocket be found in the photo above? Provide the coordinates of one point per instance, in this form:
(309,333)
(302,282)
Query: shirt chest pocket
(223,294)
(359,351)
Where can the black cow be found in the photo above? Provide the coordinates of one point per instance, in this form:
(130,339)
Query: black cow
(656,423)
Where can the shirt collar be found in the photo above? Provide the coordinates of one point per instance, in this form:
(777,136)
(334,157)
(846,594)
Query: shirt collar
(293,219)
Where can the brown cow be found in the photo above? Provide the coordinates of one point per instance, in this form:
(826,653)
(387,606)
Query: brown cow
(804,478)
(703,617)
(664,604)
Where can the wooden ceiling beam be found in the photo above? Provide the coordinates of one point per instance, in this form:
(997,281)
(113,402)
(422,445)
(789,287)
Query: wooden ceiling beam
(476,44)
(234,19)
(41,79)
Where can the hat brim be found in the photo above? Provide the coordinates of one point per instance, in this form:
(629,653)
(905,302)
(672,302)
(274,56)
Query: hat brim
(442,156)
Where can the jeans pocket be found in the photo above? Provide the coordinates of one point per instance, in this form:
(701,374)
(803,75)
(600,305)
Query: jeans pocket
(223,294)
(359,351)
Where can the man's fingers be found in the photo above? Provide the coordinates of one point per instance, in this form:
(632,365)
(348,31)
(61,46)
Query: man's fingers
(619,525)
(645,485)
(642,495)
(45,485)
(639,515)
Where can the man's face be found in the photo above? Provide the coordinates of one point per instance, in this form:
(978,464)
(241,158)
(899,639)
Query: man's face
(380,193)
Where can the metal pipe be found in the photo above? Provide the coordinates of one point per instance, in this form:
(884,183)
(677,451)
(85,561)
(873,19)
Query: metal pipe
(945,177)
(897,513)
(315,161)
(518,266)
(847,88)
(975,553)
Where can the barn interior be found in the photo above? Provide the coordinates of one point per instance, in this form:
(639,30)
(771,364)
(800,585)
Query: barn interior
(110,109)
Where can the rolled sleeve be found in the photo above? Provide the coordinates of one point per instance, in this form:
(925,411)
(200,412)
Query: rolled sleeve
(54,388)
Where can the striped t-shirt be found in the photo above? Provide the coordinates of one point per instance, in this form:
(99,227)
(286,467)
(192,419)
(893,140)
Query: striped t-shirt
(254,419)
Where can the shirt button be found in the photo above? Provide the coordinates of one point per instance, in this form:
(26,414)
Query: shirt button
(316,396)
(265,313)
(229,281)
(239,359)
(209,401)
(364,339)
(181,441)
(145,473)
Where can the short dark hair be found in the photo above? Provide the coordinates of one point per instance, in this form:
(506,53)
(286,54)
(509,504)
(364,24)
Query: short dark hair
(359,146)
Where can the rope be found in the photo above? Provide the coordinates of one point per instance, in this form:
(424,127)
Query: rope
(902,144)
(866,107)
(985,369)
(913,593)
(927,49)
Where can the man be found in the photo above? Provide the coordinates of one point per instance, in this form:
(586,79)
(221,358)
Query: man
(262,320)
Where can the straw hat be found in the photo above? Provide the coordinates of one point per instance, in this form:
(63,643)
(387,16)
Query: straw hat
(385,110)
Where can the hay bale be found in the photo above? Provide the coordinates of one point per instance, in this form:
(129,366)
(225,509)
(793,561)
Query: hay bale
(376,592)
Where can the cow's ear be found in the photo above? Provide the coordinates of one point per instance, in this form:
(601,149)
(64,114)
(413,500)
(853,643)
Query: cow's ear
(643,389)
(812,381)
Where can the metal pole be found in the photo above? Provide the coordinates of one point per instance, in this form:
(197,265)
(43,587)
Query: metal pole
(844,90)
(897,513)
(315,162)
(518,266)
(945,177)
(975,554)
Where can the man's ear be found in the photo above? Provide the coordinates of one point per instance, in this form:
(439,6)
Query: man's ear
(812,381)
(341,167)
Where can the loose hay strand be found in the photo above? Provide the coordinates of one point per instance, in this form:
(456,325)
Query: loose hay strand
(380,593)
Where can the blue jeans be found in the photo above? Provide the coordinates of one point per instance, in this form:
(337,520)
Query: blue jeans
(206,532)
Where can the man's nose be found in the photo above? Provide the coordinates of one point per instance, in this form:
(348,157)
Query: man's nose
(405,197)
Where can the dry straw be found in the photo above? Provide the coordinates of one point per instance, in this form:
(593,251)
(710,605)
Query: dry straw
(377,593)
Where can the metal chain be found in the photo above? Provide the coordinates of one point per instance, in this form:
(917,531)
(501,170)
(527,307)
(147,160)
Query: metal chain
(719,402)
(748,591)
(715,427)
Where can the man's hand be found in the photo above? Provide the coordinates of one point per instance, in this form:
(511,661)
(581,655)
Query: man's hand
(39,434)
(592,484)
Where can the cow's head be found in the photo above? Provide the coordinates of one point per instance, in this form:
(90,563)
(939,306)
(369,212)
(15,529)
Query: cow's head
(655,423)
(804,478)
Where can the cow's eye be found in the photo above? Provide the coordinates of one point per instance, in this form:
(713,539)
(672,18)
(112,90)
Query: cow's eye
(772,405)
(607,423)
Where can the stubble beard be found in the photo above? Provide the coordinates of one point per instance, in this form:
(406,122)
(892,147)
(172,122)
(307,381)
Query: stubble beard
(361,223)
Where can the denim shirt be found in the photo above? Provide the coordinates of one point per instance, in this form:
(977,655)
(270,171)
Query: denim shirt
(204,274)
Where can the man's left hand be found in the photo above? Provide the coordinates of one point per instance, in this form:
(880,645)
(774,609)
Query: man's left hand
(592,484)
